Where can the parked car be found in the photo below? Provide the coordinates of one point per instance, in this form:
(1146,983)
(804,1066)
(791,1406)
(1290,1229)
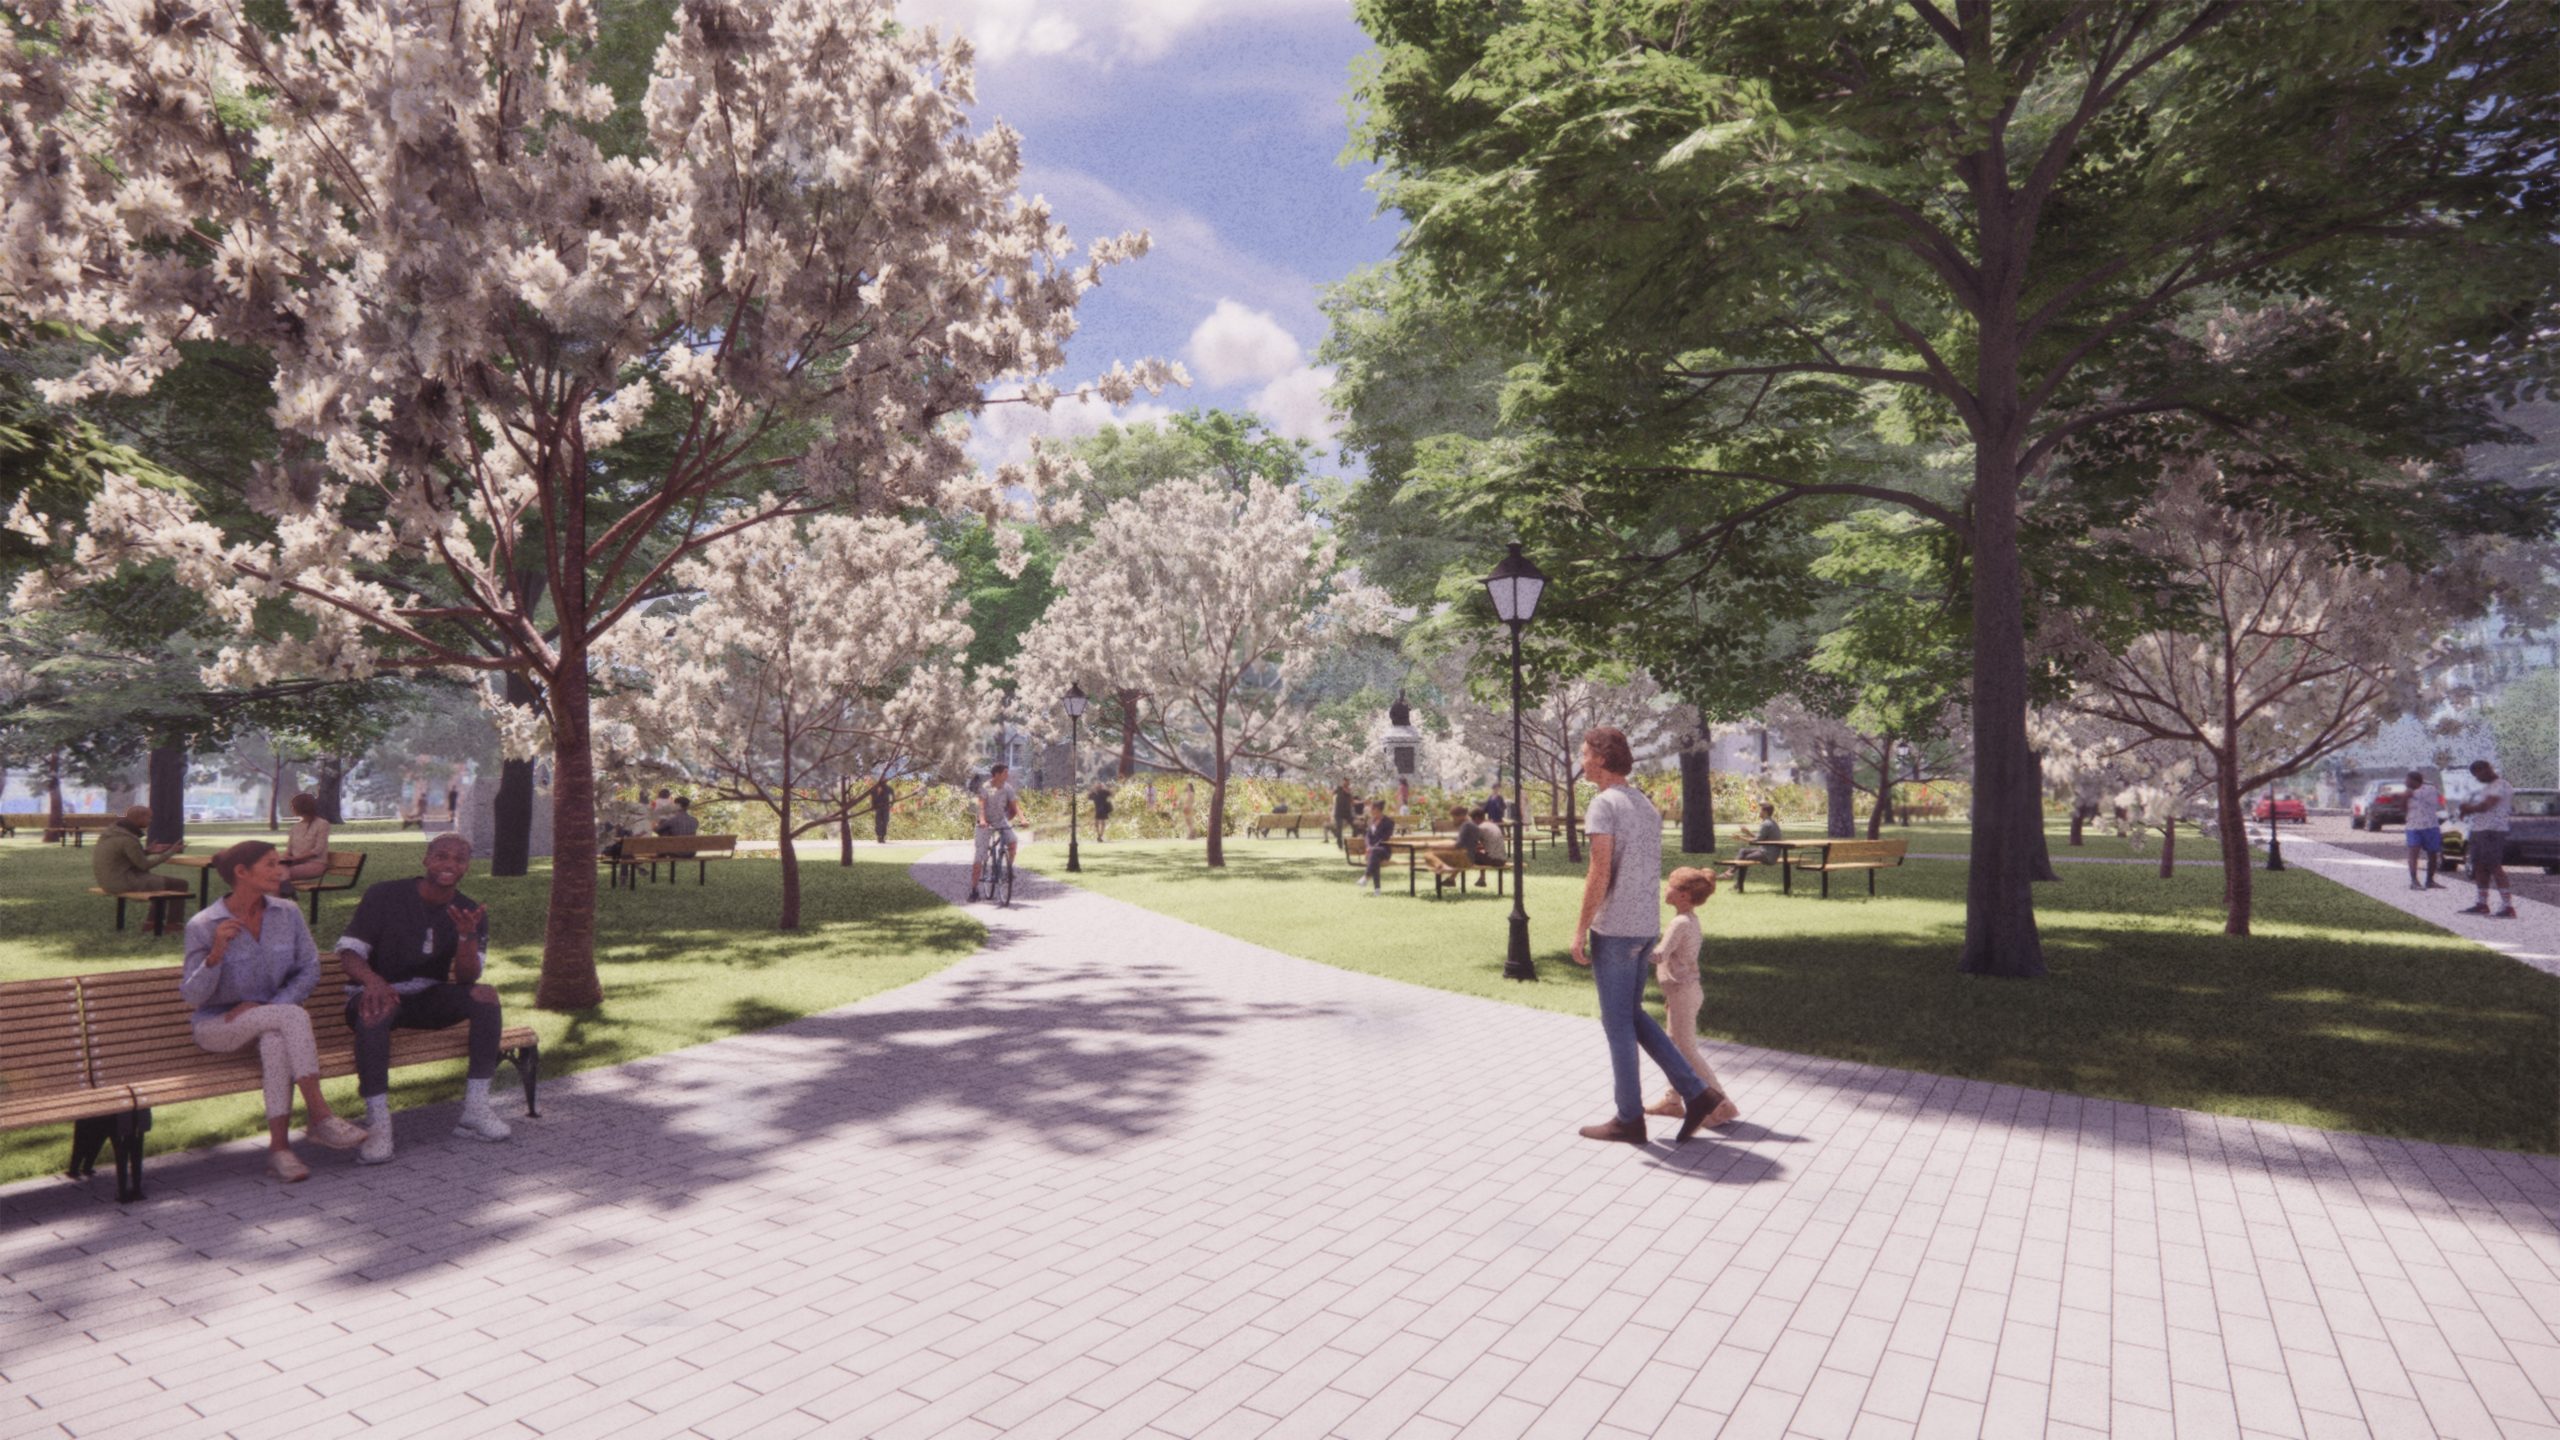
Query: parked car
(2384,802)
(2533,834)
(2280,808)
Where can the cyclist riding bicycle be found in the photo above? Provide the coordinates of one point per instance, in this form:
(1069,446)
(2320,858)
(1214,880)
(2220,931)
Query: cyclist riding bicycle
(997,805)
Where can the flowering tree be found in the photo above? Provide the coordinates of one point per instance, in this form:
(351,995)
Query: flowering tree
(818,652)
(1558,713)
(1212,600)
(474,311)
(2291,657)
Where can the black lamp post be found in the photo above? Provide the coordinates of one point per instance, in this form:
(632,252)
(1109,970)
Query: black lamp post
(1516,584)
(2275,841)
(1075,771)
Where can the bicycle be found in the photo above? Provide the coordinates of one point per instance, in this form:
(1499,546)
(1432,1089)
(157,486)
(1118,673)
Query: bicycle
(997,873)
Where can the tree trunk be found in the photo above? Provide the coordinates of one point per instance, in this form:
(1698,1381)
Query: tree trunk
(275,795)
(1128,733)
(53,797)
(2169,847)
(168,793)
(569,930)
(790,865)
(2237,876)
(2000,936)
(844,831)
(2079,820)
(1572,829)
(1840,794)
(880,813)
(1218,810)
(2040,846)
(1698,794)
(332,789)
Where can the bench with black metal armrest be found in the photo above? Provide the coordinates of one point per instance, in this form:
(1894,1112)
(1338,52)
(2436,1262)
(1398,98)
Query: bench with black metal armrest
(1293,821)
(100,1051)
(671,851)
(1868,855)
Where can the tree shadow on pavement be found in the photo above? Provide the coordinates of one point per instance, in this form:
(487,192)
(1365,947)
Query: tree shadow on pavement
(1078,1059)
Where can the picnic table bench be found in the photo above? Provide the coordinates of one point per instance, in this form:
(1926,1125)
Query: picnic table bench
(668,850)
(420,819)
(1293,821)
(100,1051)
(1923,810)
(1450,866)
(1822,857)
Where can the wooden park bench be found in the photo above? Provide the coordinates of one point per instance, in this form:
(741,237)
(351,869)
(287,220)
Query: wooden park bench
(345,872)
(671,851)
(100,1051)
(421,818)
(75,828)
(1923,810)
(1867,855)
(1293,821)
(1450,866)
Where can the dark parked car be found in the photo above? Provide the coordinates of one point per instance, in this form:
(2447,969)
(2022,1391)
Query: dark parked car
(2533,835)
(2281,808)
(2384,802)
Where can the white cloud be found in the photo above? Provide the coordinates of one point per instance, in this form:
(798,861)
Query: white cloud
(1295,405)
(1097,31)
(1004,433)
(1191,264)
(1236,344)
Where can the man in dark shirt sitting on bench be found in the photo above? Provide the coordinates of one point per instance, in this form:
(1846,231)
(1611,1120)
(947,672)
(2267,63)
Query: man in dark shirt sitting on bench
(413,955)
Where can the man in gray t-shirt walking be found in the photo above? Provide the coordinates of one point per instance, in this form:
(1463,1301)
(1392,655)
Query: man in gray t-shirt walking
(1622,916)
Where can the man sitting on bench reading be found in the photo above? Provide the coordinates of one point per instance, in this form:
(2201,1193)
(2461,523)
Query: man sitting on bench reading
(413,955)
(1768,831)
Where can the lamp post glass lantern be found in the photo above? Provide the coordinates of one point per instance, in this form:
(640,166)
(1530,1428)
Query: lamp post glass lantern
(1075,770)
(1516,585)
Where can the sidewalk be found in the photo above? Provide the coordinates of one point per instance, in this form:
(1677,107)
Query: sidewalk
(1116,1175)
(2533,937)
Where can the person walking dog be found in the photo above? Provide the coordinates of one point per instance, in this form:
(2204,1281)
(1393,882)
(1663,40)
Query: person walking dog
(1614,938)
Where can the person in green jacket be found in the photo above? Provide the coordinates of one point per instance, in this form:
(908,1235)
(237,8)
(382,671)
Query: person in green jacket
(123,864)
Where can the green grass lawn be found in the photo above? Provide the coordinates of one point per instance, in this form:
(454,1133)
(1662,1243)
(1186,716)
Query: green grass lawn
(681,963)
(2339,1012)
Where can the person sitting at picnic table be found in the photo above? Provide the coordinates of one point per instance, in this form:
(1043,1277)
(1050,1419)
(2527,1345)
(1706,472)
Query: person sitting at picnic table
(250,965)
(306,845)
(1768,831)
(679,821)
(122,864)
(413,954)
(1479,839)
(1381,830)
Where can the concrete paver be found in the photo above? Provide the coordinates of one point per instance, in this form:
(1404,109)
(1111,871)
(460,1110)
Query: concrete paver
(1116,1175)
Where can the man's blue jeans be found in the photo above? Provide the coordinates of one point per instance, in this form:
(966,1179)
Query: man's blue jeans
(1618,966)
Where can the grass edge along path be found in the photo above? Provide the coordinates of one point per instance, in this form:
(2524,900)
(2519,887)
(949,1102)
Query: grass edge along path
(683,964)
(2341,1013)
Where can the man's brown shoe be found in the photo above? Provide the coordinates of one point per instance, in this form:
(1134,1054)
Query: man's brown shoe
(1700,1105)
(1616,1130)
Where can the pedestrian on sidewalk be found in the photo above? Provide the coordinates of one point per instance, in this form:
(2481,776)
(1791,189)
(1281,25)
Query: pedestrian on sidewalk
(1615,934)
(2486,842)
(1675,968)
(2424,829)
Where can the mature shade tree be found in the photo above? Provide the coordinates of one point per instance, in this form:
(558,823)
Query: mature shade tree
(468,302)
(1213,600)
(1709,225)
(815,653)
(2292,656)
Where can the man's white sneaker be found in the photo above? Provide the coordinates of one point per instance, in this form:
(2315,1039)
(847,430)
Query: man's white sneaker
(479,1122)
(376,1149)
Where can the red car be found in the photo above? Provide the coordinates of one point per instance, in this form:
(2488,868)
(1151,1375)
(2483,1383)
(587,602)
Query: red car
(2280,808)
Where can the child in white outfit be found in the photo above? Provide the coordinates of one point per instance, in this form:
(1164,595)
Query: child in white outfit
(1675,966)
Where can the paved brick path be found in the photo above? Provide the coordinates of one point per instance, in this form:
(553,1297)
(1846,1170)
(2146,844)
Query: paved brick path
(1120,1176)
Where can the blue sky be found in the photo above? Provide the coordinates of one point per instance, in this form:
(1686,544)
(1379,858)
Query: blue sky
(1218,127)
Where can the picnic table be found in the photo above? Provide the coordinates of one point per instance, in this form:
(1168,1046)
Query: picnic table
(1857,855)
